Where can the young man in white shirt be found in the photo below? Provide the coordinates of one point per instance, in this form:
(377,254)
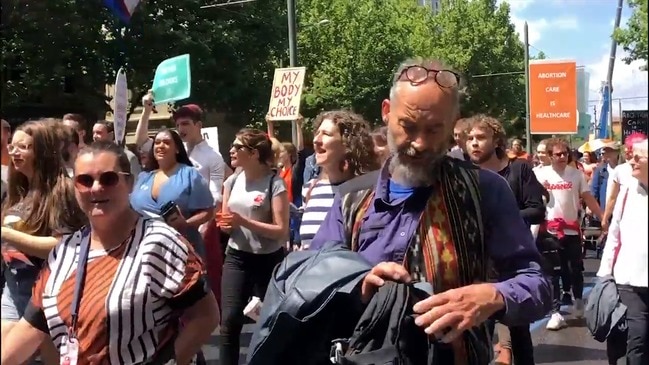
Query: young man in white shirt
(209,162)
(566,185)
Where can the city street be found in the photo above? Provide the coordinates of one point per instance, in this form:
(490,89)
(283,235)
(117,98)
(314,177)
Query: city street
(570,346)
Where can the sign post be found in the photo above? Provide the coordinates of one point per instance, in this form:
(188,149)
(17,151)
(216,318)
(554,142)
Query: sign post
(634,121)
(120,107)
(286,93)
(553,97)
(172,80)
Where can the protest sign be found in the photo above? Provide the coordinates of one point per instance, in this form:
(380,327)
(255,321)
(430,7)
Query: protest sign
(172,80)
(634,121)
(120,107)
(286,93)
(211,136)
(553,97)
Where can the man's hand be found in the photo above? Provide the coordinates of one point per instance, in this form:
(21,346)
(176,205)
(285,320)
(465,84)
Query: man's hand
(377,276)
(447,315)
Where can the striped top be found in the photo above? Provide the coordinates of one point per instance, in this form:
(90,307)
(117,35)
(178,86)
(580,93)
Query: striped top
(132,297)
(320,196)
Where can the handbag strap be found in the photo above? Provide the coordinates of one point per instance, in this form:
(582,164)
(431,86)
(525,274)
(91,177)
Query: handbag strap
(619,233)
(79,281)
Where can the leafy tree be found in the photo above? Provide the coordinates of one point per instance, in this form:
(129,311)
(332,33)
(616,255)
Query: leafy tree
(634,37)
(232,51)
(478,38)
(350,59)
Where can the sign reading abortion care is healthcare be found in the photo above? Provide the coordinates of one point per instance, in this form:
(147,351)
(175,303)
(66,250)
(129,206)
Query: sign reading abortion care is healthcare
(172,80)
(553,97)
(286,93)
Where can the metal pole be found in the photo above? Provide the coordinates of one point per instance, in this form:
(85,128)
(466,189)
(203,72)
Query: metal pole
(611,66)
(292,51)
(528,131)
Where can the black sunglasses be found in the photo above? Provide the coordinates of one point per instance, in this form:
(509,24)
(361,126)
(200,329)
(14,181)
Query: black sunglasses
(106,179)
(239,146)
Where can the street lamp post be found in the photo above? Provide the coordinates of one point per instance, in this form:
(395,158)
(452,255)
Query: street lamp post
(292,51)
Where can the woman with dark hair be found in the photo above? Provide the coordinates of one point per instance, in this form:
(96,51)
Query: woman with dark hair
(173,180)
(117,290)
(256,215)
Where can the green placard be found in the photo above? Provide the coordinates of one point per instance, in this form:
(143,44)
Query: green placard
(172,80)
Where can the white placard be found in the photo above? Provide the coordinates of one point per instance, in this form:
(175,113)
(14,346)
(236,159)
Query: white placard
(121,106)
(211,135)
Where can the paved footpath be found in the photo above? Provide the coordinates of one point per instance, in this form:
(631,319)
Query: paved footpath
(570,346)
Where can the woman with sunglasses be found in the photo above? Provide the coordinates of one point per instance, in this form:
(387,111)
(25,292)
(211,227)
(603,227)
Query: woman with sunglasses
(255,213)
(140,279)
(39,209)
(174,184)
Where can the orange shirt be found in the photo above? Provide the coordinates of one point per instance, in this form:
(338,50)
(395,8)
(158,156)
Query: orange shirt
(287,175)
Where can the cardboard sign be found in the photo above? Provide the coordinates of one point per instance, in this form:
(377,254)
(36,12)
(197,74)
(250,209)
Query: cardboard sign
(121,106)
(553,97)
(634,121)
(172,80)
(211,136)
(286,93)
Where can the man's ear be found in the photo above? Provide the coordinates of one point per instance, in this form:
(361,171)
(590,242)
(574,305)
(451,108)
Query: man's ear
(385,110)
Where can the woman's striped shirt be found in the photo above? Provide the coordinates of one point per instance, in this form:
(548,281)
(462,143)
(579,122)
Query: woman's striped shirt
(131,299)
(318,197)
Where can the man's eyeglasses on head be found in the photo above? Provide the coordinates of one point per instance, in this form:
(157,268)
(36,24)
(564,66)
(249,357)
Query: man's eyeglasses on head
(561,154)
(419,74)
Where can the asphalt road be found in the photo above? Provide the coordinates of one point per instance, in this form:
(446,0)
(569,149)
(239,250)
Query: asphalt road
(569,346)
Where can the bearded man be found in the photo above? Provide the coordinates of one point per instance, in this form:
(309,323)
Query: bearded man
(429,217)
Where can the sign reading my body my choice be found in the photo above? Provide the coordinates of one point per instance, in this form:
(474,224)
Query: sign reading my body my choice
(286,93)
(172,80)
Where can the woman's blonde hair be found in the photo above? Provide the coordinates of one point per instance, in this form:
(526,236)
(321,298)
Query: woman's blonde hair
(277,148)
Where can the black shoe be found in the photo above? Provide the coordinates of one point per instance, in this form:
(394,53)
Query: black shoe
(566,299)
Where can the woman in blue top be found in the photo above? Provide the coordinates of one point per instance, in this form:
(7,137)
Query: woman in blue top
(173,178)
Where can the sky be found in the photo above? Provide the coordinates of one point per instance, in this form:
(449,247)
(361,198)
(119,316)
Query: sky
(580,30)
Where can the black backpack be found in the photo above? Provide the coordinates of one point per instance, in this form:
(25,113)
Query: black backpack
(386,333)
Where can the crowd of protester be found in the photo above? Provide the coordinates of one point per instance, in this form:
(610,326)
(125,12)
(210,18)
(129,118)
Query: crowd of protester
(113,255)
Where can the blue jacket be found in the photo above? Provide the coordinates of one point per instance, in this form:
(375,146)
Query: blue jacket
(598,184)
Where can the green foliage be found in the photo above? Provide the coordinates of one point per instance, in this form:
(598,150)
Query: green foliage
(634,37)
(232,50)
(478,38)
(351,59)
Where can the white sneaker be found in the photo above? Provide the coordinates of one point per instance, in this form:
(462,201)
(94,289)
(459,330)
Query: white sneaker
(578,308)
(556,322)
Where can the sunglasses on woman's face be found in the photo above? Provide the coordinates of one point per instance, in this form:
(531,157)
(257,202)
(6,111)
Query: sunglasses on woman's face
(238,146)
(106,179)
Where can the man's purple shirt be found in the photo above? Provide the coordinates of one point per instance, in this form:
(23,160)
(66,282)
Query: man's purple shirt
(388,227)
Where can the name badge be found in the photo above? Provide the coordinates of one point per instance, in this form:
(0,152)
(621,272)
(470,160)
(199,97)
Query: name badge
(69,351)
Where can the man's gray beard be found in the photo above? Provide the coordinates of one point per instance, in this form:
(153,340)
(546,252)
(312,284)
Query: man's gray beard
(413,175)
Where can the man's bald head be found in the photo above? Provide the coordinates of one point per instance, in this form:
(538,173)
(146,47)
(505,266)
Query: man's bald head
(423,106)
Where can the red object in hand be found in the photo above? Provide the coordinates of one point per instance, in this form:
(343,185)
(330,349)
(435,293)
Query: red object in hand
(213,258)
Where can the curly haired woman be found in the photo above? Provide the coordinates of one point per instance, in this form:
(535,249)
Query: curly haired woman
(344,149)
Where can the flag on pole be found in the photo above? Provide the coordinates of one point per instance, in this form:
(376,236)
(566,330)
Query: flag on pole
(123,9)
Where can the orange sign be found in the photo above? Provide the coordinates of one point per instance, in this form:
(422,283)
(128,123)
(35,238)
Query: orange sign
(553,97)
